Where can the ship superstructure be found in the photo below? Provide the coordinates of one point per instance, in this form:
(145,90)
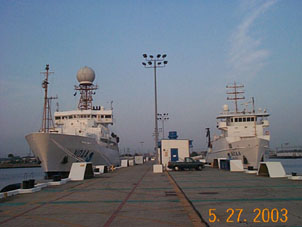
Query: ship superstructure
(243,134)
(77,135)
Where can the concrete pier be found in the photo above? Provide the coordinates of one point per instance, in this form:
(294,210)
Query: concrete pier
(219,196)
(135,196)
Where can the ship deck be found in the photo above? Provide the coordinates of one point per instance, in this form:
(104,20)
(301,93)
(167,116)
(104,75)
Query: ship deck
(135,196)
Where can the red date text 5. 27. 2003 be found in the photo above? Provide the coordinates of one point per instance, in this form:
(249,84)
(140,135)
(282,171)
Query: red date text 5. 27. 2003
(259,215)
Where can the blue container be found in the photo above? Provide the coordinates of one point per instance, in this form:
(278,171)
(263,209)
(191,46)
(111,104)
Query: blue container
(173,135)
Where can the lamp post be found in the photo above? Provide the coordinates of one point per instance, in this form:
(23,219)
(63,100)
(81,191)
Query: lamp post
(155,62)
(142,146)
(163,117)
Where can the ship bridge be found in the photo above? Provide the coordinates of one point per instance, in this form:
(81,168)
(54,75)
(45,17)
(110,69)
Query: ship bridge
(98,114)
(243,124)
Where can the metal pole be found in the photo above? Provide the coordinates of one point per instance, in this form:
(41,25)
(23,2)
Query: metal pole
(163,128)
(155,117)
(158,62)
(142,143)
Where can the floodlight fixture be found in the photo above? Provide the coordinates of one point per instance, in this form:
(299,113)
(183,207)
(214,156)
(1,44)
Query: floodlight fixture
(159,63)
(164,55)
(158,56)
(144,64)
(145,55)
(165,62)
(149,62)
(151,56)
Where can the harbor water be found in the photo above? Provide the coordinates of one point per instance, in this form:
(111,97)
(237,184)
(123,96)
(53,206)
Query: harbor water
(17,175)
(290,165)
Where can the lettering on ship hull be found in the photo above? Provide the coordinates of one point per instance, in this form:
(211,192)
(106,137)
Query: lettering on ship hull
(84,154)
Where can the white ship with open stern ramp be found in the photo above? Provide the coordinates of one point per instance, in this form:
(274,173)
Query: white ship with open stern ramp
(81,135)
(243,134)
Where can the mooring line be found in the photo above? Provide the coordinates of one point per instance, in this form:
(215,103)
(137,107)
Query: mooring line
(193,213)
(113,216)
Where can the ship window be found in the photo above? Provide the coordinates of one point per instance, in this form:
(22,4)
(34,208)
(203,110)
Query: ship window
(93,116)
(236,119)
(231,119)
(107,116)
(57,118)
(244,119)
(102,116)
(70,117)
(248,119)
(240,119)
(252,119)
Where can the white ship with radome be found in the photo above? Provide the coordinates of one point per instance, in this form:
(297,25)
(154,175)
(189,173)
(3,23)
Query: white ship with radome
(81,135)
(243,134)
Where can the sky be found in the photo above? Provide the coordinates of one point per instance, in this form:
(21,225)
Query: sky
(209,44)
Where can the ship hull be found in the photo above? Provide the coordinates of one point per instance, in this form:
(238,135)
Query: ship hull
(250,150)
(57,152)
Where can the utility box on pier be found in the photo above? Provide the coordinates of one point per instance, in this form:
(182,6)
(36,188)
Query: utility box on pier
(174,149)
(139,160)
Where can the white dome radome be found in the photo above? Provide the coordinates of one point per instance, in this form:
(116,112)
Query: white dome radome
(86,75)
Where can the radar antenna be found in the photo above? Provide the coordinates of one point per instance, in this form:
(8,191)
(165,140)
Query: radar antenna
(235,94)
(86,92)
(47,121)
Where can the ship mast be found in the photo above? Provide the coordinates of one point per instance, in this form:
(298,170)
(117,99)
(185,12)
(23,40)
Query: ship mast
(235,93)
(47,121)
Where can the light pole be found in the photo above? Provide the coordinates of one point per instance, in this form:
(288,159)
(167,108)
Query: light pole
(142,146)
(155,62)
(163,117)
